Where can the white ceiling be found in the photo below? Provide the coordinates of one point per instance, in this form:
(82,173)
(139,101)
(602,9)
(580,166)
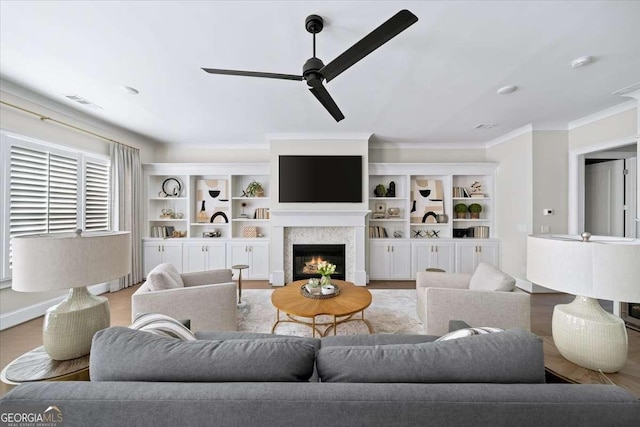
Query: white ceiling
(431,84)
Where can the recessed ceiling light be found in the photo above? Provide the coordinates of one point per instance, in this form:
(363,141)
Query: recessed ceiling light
(582,61)
(130,90)
(504,90)
(485,126)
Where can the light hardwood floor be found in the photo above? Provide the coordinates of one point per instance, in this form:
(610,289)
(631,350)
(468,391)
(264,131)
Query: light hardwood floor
(27,336)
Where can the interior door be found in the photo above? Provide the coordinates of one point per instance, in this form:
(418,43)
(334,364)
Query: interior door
(604,198)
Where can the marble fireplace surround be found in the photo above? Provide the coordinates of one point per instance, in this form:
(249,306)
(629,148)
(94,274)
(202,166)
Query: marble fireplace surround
(290,227)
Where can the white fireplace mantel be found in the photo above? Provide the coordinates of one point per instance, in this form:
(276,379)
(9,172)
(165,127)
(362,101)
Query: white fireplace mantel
(281,219)
(318,218)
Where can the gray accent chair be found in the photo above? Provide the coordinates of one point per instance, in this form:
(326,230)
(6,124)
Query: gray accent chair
(207,298)
(486,298)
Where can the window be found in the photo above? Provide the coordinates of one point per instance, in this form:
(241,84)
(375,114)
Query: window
(50,189)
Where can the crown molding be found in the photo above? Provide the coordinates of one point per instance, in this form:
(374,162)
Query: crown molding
(508,136)
(337,136)
(603,114)
(550,126)
(387,145)
(220,146)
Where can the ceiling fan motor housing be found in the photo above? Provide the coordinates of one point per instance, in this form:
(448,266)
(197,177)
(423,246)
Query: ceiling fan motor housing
(314,24)
(310,72)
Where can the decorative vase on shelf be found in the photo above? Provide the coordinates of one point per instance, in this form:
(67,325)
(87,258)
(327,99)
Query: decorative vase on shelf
(202,215)
(325,280)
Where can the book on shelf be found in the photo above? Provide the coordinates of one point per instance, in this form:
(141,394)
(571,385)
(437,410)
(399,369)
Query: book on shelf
(261,213)
(460,192)
(163,231)
(377,232)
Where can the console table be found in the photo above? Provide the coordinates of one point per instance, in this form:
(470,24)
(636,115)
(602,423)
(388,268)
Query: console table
(628,377)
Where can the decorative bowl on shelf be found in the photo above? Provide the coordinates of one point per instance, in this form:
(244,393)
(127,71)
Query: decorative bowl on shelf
(214,193)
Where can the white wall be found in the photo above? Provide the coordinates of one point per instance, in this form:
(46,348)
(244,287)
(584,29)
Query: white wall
(245,154)
(550,180)
(433,155)
(31,126)
(514,200)
(610,128)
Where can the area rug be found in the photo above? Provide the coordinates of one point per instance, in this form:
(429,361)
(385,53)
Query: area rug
(392,311)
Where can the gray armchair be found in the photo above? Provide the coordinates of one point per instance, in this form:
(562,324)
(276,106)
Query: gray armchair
(488,298)
(207,298)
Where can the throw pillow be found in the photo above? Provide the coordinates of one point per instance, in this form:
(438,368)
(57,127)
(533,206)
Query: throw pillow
(164,276)
(489,278)
(468,332)
(163,325)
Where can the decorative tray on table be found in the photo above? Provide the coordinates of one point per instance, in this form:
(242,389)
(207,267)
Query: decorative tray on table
(305,292)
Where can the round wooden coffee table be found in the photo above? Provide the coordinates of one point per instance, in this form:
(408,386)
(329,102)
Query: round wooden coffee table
(351,300)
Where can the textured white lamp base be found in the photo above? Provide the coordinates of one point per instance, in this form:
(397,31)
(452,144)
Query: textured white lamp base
(69,326)
(587,335)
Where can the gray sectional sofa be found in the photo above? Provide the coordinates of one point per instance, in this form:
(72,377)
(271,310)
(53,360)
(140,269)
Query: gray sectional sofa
(242,379)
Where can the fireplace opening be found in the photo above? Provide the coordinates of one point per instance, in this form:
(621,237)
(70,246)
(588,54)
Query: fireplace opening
(307,257)
(630,313)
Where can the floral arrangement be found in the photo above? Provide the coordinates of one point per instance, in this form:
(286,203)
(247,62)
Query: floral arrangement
(326,268)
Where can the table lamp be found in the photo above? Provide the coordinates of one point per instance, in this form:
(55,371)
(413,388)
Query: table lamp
(598,267)
(46,262)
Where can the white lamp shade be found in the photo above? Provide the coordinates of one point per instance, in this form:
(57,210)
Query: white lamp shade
(604,267)
(60,261)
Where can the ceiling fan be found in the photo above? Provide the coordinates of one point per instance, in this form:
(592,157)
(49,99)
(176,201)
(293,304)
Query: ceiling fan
(314,71)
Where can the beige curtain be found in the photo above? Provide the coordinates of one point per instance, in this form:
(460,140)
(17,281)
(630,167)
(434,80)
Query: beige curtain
(126,205)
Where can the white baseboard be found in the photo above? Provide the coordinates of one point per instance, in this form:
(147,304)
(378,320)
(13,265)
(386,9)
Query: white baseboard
(21,315)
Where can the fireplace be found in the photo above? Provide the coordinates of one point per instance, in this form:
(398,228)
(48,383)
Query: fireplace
(306,258)
(630,313)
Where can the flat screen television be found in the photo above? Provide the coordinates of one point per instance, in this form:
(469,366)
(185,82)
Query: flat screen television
(320,179)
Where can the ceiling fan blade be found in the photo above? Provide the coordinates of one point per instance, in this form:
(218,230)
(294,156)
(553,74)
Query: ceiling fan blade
(253,74)
(325,99)
(385,32)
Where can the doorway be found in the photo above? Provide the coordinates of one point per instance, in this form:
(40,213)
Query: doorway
(610,192)
(602,196)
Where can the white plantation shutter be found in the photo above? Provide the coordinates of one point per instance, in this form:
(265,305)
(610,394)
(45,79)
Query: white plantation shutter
(28,191)
(50,189)
(96,195)
(63,194)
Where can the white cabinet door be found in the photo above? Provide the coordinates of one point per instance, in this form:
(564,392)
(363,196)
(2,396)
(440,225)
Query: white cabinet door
(154,253)
(379,260)
(216,256)
(466,258)
(443,257)
(237,253)
(258,261)
(433,255)
(151,256)
(421,257)
(400,263)
(489,253)
(172,253)
(194,258)
(470,254)
(253,254)
(389,260)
